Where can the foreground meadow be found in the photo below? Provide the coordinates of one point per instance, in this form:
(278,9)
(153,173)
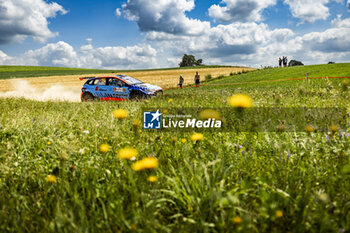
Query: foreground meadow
(63,167)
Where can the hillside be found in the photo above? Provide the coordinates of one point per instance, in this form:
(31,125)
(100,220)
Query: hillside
(328,70)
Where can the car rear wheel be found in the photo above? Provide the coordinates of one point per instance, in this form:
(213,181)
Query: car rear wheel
(87,97)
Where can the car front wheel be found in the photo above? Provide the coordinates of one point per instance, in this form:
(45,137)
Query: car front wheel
(136,95)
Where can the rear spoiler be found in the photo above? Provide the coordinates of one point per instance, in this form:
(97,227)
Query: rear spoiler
(82,78)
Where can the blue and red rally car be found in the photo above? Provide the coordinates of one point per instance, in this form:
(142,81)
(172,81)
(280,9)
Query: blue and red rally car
(117,88)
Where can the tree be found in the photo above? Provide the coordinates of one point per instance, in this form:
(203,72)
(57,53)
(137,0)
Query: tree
(199,62)
(190,60)
(295,63)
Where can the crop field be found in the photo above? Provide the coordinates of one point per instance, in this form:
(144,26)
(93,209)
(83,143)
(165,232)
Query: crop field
(91,167)
(161,77)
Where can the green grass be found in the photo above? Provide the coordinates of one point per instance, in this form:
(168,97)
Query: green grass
(9,72)
(202,186)
(330,70)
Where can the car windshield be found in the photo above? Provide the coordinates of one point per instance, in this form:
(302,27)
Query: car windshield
(130,80)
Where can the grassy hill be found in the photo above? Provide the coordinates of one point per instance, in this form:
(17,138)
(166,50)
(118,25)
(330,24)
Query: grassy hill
(329,70)
(55,176)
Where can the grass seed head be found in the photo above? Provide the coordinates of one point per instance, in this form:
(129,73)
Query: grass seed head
(209,113)
(136,123)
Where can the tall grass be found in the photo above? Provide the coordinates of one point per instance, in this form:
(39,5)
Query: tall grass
(227,182)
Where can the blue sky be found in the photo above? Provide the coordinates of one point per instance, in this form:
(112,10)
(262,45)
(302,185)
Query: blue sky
(133,34)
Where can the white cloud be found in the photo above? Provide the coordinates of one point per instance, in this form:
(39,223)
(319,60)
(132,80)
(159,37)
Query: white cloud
(309,10)
(63,54)
(56,54)
(338,22)
(239,10)
(139,56)
(332,44)
(3,57)
(118,12)
(223,41)
(331,40)
(163,16)
(19,19)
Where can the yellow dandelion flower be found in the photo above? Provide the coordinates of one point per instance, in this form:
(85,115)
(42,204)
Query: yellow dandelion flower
(279,214)
(152,179)
(197,137)
(170,100)
(145,163)
(48,143)
(209,113)
(51,179)
(136,123)
(183,140)
(127,153)
(140,131)
(105,138)
(240,101)
(165,111)
(120,113)
(310,129)
(104,148)
(334,128)
(237,220)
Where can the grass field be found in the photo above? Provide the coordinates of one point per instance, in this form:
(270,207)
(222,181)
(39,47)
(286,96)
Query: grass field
(56,177)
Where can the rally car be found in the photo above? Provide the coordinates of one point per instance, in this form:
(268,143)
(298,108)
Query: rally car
(117,88)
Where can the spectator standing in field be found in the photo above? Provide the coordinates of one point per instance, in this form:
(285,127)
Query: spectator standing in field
(181,81)
(280,62)
(197,79)
(285,61)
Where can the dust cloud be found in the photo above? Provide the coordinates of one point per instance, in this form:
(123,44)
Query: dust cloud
(23,89)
